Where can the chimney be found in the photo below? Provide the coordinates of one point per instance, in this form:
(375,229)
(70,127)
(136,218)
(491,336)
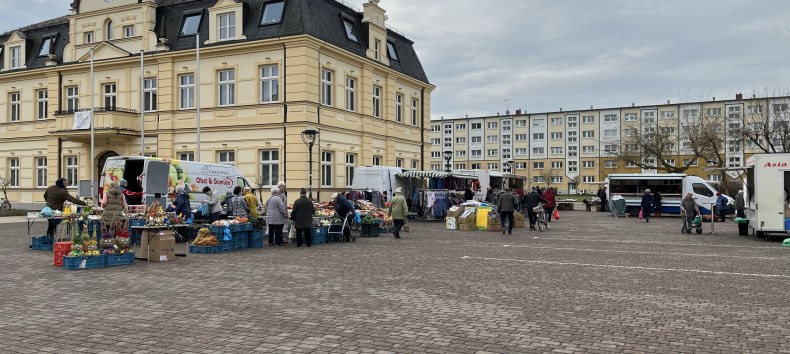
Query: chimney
(518,111)
(754,95)
(667,101)
(497,114)
(633,104)
(467,116)
(591,107)
(714,98)
(739,96)
(560,109)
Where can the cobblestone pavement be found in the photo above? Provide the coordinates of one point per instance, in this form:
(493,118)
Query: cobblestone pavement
(592,284)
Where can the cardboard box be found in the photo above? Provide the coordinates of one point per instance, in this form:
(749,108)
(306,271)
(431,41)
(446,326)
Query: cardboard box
(162,246)
(495,227)
(452,223)
(519,224)
(518,217)
(468,227)
(455,212)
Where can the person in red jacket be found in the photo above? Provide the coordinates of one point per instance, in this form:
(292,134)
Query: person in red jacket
(551,202)
(132,198)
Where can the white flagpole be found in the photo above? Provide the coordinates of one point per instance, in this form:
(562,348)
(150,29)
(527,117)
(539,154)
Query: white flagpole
(92,103)
(197,93)
(142,104)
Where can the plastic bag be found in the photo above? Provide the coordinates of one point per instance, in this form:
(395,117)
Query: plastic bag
(227,236)
(204,210)
(556,214)
(786,242)
(357,218)
(641,214)
(46,212)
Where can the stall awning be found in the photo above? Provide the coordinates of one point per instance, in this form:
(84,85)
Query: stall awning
(434,174)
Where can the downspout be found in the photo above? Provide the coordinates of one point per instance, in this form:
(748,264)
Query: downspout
(285,115)
(422,129)
(60,108)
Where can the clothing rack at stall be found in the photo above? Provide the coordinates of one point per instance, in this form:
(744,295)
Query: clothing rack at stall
(432,204)
(373,196)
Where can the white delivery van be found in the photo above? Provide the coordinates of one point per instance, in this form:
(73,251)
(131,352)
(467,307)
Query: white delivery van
(486,178)
(673,187)
(156,177)
(376,178)
(766,202)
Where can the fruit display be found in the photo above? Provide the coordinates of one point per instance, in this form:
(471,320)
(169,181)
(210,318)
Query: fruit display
(205,238)
(229,222)
(242,220)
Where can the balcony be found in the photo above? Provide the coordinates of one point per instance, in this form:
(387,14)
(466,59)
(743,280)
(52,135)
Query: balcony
(107,121)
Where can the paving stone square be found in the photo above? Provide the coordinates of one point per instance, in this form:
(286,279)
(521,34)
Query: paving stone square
(591,284)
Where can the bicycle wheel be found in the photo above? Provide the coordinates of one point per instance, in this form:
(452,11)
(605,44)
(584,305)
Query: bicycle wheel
(6,205)
(540,221)
(546,221)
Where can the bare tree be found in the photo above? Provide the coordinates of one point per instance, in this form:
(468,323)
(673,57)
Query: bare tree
(653,148)
(4,183)
(259,186)
(548,175)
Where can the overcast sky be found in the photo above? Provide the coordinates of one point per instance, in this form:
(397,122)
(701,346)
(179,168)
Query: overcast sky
(543,55)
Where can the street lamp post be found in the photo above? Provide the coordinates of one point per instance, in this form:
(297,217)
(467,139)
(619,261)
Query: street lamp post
(448,154)
(308,137)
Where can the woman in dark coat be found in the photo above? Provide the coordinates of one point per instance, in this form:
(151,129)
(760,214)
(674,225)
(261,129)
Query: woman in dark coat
(657,201)
(647,205)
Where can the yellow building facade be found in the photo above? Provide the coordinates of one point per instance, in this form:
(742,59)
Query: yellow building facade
(268,70)
(573,150)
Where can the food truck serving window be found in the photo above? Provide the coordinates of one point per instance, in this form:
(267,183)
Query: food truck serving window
(702,189)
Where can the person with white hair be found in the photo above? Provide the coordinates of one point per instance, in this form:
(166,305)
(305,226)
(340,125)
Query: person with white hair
(344,209)
(740,205)
(398,210)
(647,205)
(276,217)
(283,194)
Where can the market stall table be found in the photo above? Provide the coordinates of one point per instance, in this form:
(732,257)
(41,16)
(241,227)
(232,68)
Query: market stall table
(149,232)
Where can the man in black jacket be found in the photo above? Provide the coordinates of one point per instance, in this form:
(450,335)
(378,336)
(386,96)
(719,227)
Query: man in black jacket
(533,200)
(302,217)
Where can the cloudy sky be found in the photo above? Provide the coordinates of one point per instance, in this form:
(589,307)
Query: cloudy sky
(542,55)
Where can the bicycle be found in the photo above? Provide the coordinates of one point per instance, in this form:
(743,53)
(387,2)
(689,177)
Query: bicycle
(5,204)
(543,221)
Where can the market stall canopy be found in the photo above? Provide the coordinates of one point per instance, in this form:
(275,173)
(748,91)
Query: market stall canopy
(507,175)
(435,174)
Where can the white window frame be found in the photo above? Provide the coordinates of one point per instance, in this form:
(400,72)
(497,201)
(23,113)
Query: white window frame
(15,57)
(88,37)
(226,157)
(588,134)
(41,172)
(588,119)
(109,95)
(72,170)
(270,83)
(414,108)
(476,126)
(72,98)
(227,30)
(376,102)
(327,160)
(108,31)
(150,94)
(226,87)
(376,160)
(326,86)
(476,153)
(128,31)
(351,165)
(15,106)
(186,156)
(186,90)
(269,160)
(351,94)
(556,164)
(41,104)
(13,172)
(399,108)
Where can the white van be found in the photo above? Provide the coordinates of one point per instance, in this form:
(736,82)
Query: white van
(376,178)
(673,187)
(767,183)
(157,177)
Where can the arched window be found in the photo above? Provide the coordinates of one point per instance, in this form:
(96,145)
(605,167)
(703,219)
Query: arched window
(108,30)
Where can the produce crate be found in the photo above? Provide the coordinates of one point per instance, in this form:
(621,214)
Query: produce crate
(217,230)
(43,243)
(241,227)
(241,239)
(205,249)
(319,235)
(256,239)
(72,263)
(120,259)
(369,230)
(61,250)
(135,235)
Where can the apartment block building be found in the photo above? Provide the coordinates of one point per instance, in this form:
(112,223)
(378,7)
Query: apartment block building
(269,69)
(576,149)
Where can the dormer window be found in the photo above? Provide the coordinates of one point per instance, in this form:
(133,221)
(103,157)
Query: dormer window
(393,54)
(16,59)
(47,43)
(128,31)
(272,12)
(227,26)
(351,30)
(376,49)
(89,37)
(108,30)
(191,23)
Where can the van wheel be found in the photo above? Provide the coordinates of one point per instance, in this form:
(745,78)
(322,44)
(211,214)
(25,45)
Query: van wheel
(760,234)
(767,236)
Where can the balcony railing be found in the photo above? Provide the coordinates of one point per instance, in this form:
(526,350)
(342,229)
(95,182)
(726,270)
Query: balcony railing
(113,120)
(98,109)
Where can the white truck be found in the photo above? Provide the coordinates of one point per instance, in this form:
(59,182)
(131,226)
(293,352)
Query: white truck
(376,178)
(672,186)
(766,204)
(156,177)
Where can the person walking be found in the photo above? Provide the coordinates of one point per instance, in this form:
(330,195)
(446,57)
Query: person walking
(302,216)
(214,206)
(604,199)
(55,196)
(238,205)
(647,205)
(740,205)
(345,209)
(506,206)
(252,204)
(721,206)
(398,210)
(689,209)
(468,194)
(657,201)
(551,202)
(276,217)
(533,201)
(114,202)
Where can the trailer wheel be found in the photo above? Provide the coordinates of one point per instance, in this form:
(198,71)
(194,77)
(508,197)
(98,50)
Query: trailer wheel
(760,234)
(767,236)
(699,231)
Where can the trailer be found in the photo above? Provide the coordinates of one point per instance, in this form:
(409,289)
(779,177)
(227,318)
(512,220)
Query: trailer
(766,205)
(672,186)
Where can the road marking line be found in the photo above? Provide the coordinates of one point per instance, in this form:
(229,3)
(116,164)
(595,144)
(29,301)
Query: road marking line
(652,242)
(645,252)
(716,272)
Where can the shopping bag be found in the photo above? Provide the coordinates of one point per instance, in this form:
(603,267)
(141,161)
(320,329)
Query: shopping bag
(46,212)
(357,218)
(227,236)
(556,214)
(641,214)
(204,209)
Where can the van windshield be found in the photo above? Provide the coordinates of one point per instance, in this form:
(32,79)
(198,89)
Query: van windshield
(702,189)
